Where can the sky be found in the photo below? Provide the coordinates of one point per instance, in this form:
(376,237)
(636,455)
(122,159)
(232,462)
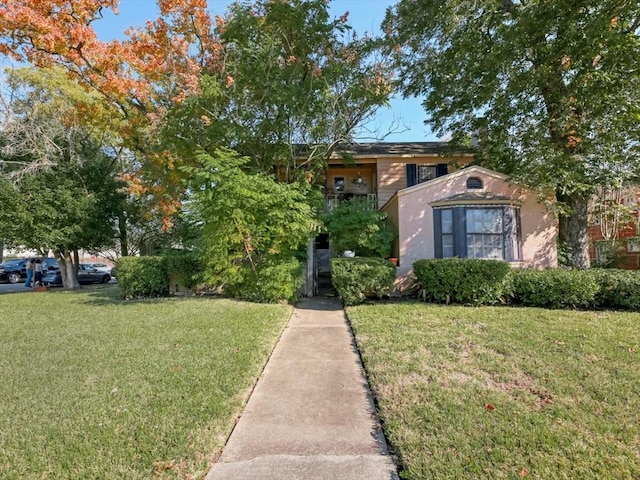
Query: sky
(403,120)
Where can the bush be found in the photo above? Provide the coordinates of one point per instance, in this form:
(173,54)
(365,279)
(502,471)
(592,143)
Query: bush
(353,225)
(183,267)
(356,279)
(143,276)
(554,288)
(275,281)
(617,289)
(462,280)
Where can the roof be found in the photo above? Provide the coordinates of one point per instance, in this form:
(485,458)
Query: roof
(401,149)
(395,148)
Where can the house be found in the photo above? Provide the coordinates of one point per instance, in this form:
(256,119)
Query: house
(472,213)
(614,228)
(378,170)
(442,206)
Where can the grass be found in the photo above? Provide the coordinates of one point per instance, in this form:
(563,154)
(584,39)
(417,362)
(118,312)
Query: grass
(501,393)
(94,387)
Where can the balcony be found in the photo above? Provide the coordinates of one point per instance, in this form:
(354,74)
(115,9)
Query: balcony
(332,200)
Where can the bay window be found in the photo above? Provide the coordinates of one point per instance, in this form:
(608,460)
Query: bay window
(477,231)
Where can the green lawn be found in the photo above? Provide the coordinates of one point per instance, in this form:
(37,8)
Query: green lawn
(505,392)
(94,387)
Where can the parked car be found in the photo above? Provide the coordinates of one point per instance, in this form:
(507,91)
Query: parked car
(102,267)
(13,271)
(87,273)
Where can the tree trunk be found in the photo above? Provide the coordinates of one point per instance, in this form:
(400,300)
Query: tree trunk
(68,270)
(124,240)
(573,228)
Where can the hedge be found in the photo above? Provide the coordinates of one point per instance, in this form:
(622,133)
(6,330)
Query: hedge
(272,282)
(554,288)
(143,276)
(357,279)
(462,280)
(617,289)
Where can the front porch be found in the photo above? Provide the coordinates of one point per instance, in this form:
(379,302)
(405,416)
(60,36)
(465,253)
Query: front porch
(345,183)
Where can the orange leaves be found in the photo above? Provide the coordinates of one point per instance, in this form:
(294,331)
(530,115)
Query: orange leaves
(33,27)
(221,25)
(134,184)
(163,56)
(380,82)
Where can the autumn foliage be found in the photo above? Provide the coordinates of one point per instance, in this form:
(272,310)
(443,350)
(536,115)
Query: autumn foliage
(132,72)
(261,78)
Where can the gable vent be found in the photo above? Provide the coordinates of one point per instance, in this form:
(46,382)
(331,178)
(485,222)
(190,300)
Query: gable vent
(474,183)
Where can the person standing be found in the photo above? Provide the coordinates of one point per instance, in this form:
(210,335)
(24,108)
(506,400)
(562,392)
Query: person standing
(38,272)
(29,268)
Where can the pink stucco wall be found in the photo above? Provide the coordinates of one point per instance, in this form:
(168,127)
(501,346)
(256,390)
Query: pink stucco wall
(410,210)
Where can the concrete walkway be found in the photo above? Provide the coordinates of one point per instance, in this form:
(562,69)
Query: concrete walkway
(310,416)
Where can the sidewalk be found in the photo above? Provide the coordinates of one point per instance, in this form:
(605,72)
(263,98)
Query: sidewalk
(310,416)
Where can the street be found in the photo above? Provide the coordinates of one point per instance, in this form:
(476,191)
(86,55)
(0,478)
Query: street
(19,287)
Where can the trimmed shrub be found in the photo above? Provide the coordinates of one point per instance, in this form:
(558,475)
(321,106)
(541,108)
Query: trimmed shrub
(359,278)
(276,281)
(184,267)
(462,280)
(554,288)
(143,276)
(617,289)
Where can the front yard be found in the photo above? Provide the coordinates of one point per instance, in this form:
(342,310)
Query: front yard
(505,392)
(94,387)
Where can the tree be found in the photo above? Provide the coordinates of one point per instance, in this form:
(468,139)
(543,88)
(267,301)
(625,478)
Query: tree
(59,189)
(138,77)
(273,74)
(552,89)
(248,227)
(135,74)
(287,74)
(614,209)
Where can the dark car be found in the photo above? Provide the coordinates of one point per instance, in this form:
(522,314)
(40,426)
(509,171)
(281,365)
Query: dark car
(87,273)
(15,270)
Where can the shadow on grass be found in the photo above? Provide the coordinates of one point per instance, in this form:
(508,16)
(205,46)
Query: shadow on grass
(101,295)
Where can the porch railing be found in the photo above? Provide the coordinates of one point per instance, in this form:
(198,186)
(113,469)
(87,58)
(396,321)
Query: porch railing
(334,199)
